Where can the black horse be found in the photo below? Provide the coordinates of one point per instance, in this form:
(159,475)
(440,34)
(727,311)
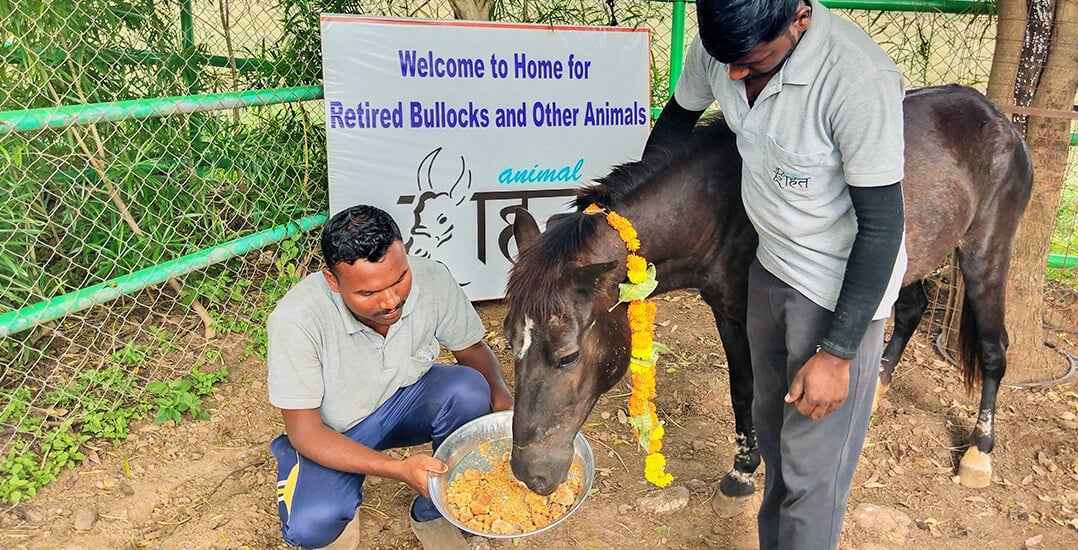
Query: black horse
(968,179)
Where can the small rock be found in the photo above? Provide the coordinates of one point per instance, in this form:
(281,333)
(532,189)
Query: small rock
(1034,542)
(670,499)
(892,523)
(216,522)
(696,484)
(125,489)
(85,519)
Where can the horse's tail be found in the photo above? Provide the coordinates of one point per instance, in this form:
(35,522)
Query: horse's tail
(968,359)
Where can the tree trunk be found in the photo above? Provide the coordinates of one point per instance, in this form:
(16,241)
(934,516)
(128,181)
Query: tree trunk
(1036,64)
(476,10)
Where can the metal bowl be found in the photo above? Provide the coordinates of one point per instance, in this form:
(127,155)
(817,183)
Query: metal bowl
(460,452)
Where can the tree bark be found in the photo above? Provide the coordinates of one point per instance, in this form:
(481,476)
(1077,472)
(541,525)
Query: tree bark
(476,10)
(1044,76)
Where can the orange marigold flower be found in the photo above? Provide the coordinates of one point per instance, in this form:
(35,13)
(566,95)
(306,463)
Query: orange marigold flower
(642,347)
(637,268)
(592,209)
(654,445)
(625,230)
(641,315)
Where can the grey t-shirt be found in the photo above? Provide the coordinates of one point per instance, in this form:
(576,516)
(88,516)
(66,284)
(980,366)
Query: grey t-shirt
(320,356)
(830,118)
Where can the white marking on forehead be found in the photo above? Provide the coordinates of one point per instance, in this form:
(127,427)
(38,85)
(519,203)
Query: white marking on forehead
(528,324)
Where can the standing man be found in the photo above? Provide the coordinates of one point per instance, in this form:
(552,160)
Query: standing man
(817,109)
(351,366)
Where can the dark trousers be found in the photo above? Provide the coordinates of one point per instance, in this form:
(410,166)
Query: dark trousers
(316,503)
(809,464)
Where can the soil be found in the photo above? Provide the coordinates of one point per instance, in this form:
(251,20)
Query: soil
(212,484)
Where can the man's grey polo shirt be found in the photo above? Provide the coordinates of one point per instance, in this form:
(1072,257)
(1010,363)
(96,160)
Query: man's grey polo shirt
(320,356)
(831,117)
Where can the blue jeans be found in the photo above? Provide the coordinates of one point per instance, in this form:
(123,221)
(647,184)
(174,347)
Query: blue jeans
(809,464)
(321,501)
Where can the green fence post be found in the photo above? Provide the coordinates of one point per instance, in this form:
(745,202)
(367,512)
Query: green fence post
(187,42)
(677,44)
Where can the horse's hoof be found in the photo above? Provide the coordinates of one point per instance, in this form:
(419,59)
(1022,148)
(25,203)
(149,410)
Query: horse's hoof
(975,469)
(727,506)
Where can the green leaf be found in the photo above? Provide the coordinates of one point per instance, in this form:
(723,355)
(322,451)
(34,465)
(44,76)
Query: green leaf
(157,388)
(628,292)
(643,429)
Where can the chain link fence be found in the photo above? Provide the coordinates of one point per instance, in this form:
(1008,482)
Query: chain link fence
(133,242)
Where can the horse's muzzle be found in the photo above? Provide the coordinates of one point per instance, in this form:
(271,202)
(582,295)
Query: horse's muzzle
(541,468)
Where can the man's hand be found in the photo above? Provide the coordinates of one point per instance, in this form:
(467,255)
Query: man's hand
(821,385)
(415,470)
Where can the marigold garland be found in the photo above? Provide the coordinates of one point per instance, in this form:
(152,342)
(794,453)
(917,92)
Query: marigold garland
(646,426)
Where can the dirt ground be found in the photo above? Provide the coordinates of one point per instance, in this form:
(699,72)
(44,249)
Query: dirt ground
(212,484)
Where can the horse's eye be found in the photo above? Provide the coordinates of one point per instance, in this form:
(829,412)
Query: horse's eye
(568,360)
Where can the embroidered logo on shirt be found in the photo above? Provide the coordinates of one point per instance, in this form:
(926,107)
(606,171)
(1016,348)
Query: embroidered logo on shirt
(790,181)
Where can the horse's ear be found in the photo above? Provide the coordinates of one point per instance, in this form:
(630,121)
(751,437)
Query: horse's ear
(524,228)
(555,217)
(586,277)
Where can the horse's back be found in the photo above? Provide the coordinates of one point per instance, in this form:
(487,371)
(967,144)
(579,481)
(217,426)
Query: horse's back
(967,169)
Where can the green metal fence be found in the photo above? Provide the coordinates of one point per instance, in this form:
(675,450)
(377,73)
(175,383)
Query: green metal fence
(162,163)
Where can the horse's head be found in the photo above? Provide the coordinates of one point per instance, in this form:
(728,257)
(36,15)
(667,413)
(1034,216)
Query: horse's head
(568,347)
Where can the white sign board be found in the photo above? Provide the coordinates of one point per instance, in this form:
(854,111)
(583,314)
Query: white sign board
(450,125)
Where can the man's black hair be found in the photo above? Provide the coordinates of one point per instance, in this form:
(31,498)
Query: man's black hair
(361,232)
(729,29)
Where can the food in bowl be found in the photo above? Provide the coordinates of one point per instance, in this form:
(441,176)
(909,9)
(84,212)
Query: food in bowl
(493,501)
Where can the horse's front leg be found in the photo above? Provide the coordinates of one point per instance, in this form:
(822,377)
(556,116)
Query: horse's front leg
(736,488)
(909,308)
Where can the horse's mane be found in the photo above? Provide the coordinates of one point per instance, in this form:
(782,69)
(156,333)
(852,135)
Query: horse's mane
(612,189)
(536,278)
